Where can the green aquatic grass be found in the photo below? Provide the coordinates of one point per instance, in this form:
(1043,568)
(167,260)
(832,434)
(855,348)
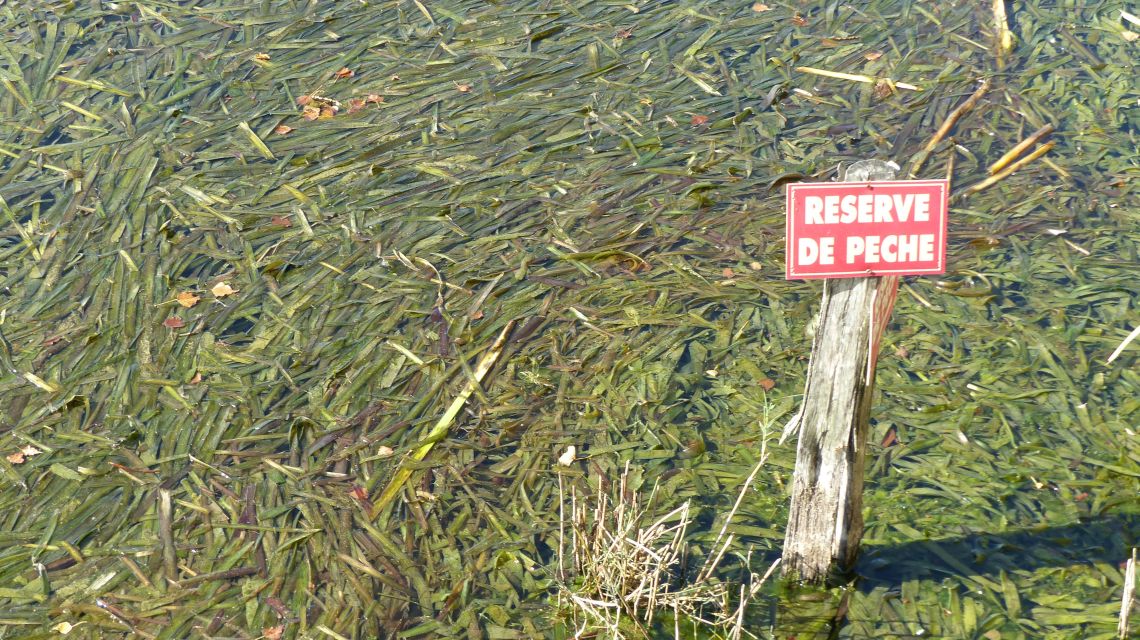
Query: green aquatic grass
(606,175)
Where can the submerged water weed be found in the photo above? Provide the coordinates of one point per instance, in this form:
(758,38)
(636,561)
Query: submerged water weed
(250,253)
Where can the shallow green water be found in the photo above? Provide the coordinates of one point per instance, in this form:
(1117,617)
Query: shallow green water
(607,176)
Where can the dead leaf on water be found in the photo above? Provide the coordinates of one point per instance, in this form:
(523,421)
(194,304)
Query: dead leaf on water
(64,628)
(187,299)
(23,454)
(891,438)
(222,290)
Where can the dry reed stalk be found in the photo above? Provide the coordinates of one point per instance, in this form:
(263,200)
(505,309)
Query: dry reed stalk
(855,77)
(1120,349)
(1129,595)
(1003,36)
(1020,148)
(994,179)
(951,119)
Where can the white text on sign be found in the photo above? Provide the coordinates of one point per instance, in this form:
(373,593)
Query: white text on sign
(866,208)
(886,249)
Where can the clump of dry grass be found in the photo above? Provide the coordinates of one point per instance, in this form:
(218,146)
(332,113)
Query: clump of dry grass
(626,567)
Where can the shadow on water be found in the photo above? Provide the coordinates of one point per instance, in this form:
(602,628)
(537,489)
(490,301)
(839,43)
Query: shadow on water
(1105,539)
(970,560)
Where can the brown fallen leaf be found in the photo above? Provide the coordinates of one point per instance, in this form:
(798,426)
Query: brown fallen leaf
(273,633)
(760,7)
(873,55)
(463,88)
(196,379)
(278,607)
(343,72)
(15,458)
(304,100)
(698,120)
(187,299)
(222,290)
(374,98)
(355,104)
(328,112)
(361,495)
(883,88)
(281,221)
(768,384)
(891,438)
(311,112)
(173,322)
(799,20)
(283,129)
(727,272)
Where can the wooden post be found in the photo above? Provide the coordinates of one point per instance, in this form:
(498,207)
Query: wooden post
(826,521)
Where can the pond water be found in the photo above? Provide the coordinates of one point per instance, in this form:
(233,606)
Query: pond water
(255,259)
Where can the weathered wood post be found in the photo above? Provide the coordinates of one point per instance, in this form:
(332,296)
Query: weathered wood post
(826,521)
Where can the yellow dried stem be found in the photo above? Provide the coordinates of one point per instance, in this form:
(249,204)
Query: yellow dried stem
(1020,148)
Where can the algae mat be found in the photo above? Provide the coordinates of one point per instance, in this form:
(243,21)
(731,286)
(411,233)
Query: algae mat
(251,252)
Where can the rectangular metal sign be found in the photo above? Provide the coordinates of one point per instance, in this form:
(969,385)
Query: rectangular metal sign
(859,229)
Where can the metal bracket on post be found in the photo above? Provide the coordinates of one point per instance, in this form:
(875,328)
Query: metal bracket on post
(825,524)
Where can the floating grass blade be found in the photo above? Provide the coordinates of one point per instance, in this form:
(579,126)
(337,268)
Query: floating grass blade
(443,425)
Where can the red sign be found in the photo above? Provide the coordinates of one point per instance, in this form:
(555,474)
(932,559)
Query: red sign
(858,229)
